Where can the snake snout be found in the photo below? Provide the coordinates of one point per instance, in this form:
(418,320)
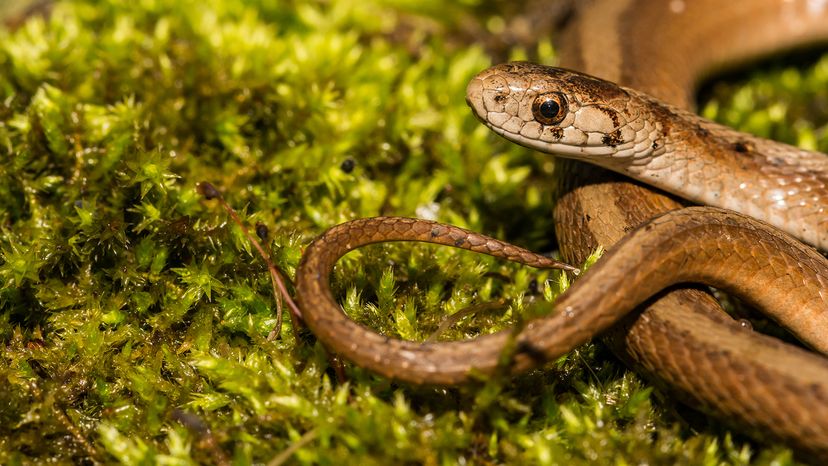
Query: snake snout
(474,99)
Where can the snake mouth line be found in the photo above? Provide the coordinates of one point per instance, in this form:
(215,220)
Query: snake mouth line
(475,111)
(558,148)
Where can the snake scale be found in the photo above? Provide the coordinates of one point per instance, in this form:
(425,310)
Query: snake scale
(680,338)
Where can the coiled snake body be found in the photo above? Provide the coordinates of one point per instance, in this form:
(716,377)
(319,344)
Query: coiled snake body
(681,338)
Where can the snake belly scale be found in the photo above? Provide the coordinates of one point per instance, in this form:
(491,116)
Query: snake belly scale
(680,338)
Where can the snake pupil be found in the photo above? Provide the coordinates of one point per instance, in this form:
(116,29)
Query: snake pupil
(550,109)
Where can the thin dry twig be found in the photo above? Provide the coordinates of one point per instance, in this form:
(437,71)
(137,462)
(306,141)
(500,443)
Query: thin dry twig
(276,275)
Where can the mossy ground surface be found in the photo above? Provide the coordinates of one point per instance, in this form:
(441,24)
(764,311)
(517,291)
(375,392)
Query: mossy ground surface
(134,316)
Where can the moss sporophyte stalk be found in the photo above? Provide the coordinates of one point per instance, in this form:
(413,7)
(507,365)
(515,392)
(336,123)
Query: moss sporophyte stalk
(135,315)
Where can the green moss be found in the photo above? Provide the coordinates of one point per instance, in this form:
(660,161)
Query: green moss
(134,316)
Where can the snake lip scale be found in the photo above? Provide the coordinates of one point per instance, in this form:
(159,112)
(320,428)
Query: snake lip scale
(644,129)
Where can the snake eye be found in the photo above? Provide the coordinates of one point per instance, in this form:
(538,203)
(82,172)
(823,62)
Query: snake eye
(549,109)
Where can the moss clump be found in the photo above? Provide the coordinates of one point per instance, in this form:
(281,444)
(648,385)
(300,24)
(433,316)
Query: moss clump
(134,317)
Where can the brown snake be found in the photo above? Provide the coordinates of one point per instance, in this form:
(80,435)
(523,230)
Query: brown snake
(681,338)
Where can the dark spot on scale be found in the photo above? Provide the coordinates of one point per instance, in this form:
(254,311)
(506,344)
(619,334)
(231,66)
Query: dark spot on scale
(742,147)
(702,132)
(655,145)
(459,242)
(535,353)
(613,139)
(557,132)
(435,232)
(499,98)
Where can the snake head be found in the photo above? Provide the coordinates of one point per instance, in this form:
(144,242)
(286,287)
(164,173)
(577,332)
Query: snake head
(565,113)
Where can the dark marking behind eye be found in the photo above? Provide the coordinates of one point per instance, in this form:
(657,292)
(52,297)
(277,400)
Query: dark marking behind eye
(613,139)
(611,114)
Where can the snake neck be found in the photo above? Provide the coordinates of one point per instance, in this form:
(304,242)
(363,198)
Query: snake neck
(711,164)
